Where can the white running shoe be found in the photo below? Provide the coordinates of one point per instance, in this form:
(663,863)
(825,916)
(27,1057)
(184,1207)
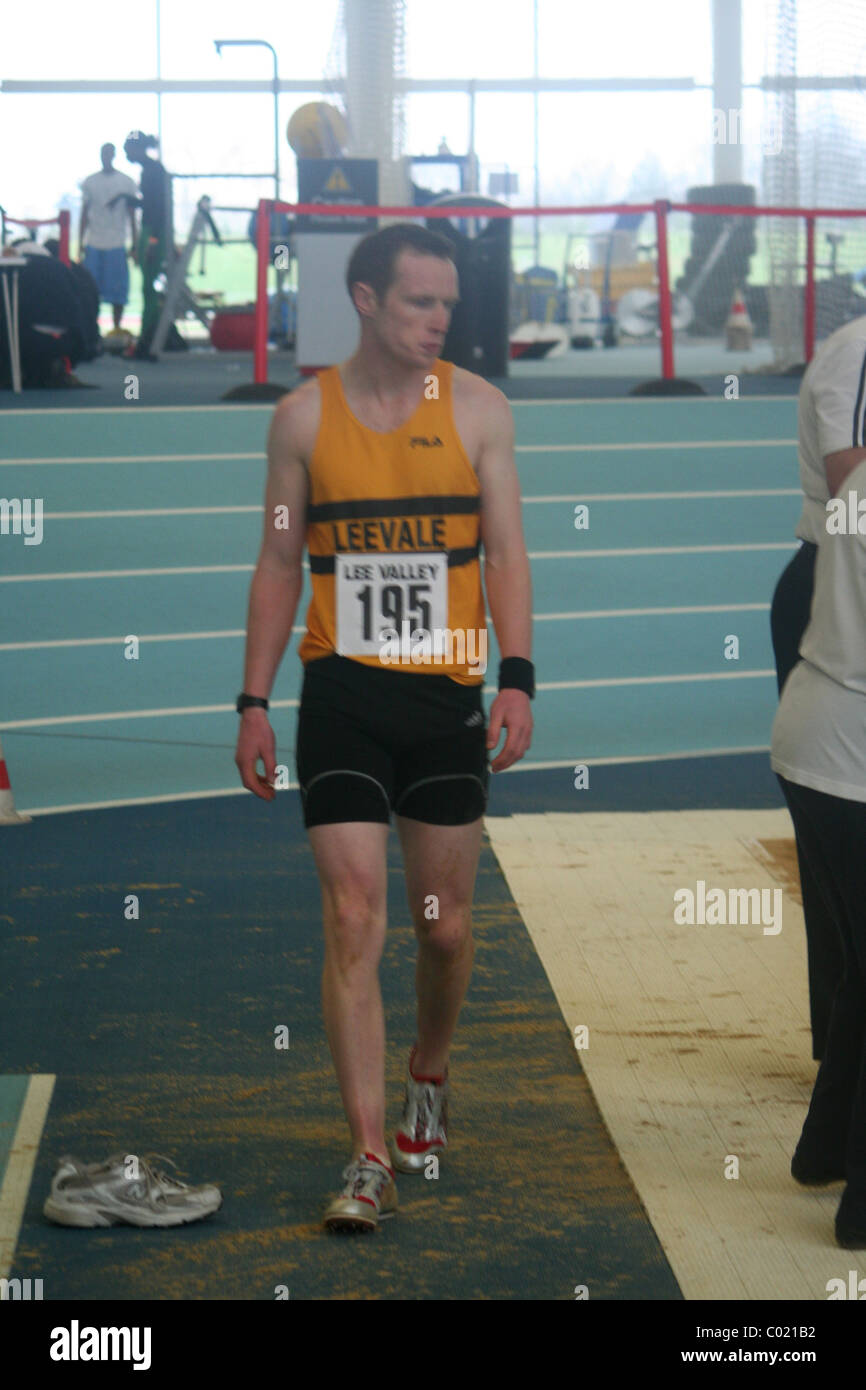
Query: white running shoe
(125,1188)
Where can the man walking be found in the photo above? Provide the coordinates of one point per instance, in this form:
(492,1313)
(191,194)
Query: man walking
(102,231)
(394,467)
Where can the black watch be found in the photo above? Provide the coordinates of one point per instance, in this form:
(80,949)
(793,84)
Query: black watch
(250,702)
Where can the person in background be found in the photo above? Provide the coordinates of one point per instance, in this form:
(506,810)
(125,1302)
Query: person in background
(830,426)
(819,756)
(102,232)
(156,238)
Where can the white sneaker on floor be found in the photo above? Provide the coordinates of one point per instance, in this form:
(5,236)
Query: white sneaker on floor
(125,1188)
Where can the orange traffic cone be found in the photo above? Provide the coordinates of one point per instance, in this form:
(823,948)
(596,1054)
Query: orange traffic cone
(738,326)
(8,814)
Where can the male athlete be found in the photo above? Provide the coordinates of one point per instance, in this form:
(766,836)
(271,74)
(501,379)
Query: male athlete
(393,466)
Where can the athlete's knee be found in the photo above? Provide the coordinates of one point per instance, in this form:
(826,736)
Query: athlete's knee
(450,932)
(354,925)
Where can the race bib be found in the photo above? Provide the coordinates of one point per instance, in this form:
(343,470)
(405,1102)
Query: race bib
(385,602)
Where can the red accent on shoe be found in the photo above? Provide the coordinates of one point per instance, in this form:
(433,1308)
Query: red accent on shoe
(375,1158)
(368,1200)
(414,1146)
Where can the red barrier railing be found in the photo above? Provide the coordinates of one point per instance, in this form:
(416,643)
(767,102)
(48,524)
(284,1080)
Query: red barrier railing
(61,221)
(660,209)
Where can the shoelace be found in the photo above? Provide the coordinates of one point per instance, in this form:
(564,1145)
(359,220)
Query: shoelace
(154,1178)
(427,1109)
(362,1173)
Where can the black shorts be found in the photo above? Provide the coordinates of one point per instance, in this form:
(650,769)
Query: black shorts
(371,741)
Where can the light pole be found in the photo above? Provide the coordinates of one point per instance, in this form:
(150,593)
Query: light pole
(220,44)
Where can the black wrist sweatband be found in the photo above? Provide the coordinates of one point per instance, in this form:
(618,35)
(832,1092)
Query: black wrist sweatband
(245,701)
(516,673)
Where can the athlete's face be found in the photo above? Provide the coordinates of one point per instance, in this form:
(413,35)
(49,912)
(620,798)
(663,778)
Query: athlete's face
(414,318)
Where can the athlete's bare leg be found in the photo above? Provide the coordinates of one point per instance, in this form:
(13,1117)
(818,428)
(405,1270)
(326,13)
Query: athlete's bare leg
(441,860)
(352,865)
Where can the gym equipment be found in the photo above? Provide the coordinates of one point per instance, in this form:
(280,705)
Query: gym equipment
(179,299)
(719,255)
(593,291)
(477,337)
(317,130)
(637,312)
(327,323)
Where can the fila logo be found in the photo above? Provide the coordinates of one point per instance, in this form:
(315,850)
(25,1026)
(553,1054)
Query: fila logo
(434,443)
(475,718)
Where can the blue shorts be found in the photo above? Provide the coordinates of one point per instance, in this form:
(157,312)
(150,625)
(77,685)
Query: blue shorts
(110,271)
(371,741)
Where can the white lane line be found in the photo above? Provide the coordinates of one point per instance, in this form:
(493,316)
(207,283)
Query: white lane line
(235,632)
(666,444)
(237,510)
(642,447)
(293,786)
(666,496)
(533,555)
(613,402)
(133,458)
(115,641)
(152,511)
(148,410)
(658,550)
(652,401)
(125,574)
(19,1168)
(606,683)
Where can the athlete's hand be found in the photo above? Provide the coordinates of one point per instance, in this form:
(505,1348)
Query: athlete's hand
(256,741)
(511,709)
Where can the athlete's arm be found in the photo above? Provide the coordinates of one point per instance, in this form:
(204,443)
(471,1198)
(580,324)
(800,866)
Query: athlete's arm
(839,465)
(507,579)
(275,589)
(837,401)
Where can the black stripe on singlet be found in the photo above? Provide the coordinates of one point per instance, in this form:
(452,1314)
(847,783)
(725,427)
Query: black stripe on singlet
(324,564)
(357,509)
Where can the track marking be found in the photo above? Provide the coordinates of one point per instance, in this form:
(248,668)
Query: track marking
(167,799)
(241,509)
(127,574)
(237,632)
(153,511)
(134,458)
(642,447)
(663,496)
(610,401)
(605,683)
(19,1168)
(621,553)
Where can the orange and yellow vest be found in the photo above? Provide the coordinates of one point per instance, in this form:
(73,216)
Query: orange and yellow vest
(393,530)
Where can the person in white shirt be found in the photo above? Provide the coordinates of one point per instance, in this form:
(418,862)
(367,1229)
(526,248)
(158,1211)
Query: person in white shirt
(830,425)
(105,214)
(818,752)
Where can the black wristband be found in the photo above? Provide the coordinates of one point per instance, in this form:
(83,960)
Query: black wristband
(516,673)
(250,702)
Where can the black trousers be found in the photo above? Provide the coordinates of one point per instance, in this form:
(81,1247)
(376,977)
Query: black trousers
(789,616)
(832,834)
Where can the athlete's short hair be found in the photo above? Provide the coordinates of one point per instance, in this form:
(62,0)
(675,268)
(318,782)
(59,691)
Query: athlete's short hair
(374,258)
